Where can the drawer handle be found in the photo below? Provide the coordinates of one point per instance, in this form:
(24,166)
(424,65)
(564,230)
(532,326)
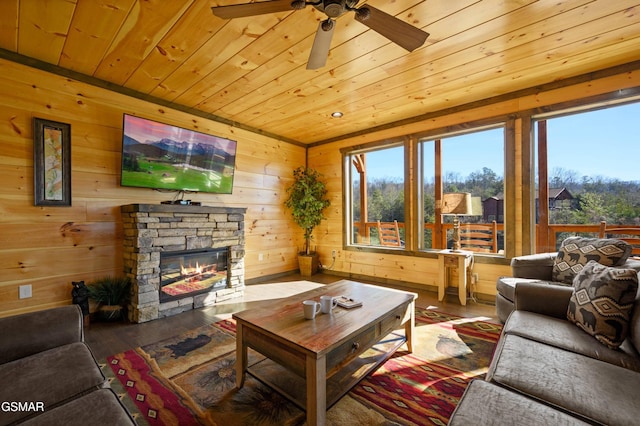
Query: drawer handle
(398,317)
(355,346)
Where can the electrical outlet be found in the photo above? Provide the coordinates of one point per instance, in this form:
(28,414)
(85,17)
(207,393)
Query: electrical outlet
(333,254)
(25,291)
(260,257)
(475,279)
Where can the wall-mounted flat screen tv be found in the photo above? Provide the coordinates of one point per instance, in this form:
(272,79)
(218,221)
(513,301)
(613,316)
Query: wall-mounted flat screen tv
(164,157)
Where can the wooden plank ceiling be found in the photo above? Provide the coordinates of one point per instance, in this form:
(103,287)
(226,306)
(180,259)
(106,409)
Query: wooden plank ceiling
(252,71)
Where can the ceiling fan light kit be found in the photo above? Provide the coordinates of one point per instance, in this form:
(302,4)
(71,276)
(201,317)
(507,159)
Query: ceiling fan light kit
(327,25)
(396,30)
(333,9)
(298,4)
(363,14)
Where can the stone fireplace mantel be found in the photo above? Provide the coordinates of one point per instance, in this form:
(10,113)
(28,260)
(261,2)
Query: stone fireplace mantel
(151,229)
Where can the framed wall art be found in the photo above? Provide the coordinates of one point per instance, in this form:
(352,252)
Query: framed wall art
(52,163)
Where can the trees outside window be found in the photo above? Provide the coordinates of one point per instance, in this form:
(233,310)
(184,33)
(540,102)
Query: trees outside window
(471,162)
(583,170)
(381,171)
(591,160)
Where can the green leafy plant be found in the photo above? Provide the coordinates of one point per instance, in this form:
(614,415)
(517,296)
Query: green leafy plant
(307,200)
(110,291)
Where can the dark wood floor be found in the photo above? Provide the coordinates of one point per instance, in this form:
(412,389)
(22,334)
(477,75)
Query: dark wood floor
(110,338)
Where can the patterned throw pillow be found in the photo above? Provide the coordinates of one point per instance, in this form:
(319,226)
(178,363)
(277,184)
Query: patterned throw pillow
(602,302)
(575,252)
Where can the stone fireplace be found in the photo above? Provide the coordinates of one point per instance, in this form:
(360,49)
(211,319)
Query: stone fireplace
(196,253)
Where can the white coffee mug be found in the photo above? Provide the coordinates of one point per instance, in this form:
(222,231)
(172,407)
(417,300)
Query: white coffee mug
(327,303)
(311,308)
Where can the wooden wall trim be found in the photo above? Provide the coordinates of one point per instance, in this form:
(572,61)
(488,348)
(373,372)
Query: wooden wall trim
(510,188)
(526,245)
(542,236)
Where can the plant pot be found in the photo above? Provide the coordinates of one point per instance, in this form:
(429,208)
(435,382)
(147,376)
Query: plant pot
(110,313)
(308,264)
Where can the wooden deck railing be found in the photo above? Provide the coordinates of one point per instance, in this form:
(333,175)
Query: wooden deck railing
(429,228)
(556,233)
(368,226)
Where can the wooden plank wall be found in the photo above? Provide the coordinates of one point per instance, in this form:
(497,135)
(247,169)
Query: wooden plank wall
(421,270)
(49,247)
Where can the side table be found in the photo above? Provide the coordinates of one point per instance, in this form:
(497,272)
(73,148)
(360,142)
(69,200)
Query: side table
(459,261)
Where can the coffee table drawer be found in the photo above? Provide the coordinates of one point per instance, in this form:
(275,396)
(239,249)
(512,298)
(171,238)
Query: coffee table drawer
(352,348)
(295,361)
(394,320)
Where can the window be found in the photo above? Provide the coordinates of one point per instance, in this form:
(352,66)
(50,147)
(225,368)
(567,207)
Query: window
(470,163)
(376,196)
(375,188)
(587,172)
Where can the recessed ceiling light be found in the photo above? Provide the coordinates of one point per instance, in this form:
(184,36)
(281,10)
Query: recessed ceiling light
(336,114)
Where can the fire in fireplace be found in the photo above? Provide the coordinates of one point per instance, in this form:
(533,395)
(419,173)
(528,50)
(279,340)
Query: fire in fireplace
(191,272)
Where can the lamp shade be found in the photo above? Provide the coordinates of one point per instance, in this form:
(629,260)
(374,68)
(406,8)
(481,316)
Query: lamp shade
(458,203)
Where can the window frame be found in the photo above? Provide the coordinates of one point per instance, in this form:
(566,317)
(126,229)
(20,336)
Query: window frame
(437,138)
(540,242)
(348,173)
(412,169)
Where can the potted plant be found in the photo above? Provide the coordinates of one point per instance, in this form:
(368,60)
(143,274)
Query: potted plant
(110,293)
(307,200)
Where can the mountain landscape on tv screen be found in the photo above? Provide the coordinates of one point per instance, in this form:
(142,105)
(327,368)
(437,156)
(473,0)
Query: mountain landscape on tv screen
(177,165)
(159,148)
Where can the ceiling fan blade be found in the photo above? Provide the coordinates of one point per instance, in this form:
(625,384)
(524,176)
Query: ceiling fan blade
(401,33)
(321,46)
(251,9)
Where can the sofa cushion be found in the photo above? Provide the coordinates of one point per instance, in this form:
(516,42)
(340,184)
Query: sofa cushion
(538,266)
(565,335)
(597,391)
(484,403)
(101,407)
(506,286)
(50,377)
(53,327)
(504,308)
(576,252)
(602,302)
(505,296)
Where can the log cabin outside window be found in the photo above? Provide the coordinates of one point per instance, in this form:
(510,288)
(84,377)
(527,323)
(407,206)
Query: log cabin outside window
(471,162)
(586,172)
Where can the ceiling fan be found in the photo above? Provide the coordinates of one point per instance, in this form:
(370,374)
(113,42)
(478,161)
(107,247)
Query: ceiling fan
(396,30)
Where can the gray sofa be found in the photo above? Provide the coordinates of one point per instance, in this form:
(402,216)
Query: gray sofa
(49,375)
(547,370)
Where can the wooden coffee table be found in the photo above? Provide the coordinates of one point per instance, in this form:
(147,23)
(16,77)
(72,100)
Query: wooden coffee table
(315,362)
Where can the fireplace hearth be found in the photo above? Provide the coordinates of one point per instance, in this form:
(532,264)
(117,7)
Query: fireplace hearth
(181,257)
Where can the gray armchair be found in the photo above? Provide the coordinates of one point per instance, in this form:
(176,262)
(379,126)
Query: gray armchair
(530,268)
(536,268)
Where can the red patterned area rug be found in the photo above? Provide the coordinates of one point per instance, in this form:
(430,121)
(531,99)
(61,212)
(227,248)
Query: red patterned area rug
(190,379)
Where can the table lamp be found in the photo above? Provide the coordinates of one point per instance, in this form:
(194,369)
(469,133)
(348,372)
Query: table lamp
(456,203)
